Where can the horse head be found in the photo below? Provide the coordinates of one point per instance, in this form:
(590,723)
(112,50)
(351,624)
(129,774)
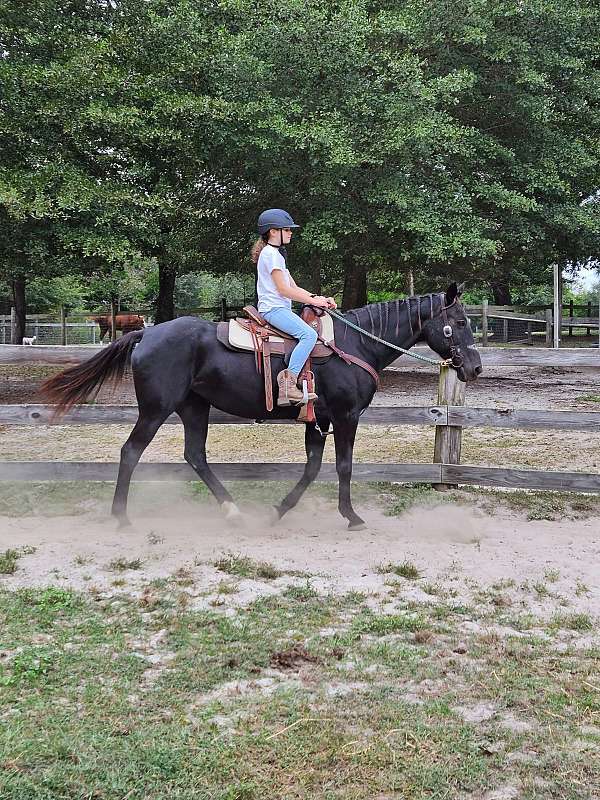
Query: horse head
(449,334)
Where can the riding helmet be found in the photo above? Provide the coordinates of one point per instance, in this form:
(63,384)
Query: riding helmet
(275,218)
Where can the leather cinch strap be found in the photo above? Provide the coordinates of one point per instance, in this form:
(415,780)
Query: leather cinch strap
(267,366)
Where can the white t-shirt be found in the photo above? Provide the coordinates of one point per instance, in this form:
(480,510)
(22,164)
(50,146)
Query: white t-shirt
(268,297)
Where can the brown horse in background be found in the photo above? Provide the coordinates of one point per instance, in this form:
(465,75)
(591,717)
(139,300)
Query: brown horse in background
(124,322)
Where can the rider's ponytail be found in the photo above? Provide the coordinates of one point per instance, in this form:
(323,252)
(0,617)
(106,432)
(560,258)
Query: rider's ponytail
(258,247)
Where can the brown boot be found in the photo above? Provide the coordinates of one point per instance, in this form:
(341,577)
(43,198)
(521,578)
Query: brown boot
(289,393)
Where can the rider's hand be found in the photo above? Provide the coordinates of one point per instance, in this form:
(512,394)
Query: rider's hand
(331,302)
(319,301)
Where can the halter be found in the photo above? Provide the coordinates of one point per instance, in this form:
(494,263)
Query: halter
(455,352)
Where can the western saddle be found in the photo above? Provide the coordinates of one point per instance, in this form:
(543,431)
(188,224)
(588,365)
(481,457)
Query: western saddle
(254,334)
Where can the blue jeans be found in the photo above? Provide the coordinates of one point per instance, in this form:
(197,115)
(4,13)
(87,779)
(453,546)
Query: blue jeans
(288,322)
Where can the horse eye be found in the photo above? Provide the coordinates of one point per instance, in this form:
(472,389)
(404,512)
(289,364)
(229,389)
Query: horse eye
(461,323)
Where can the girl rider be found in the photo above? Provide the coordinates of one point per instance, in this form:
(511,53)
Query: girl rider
(276,289)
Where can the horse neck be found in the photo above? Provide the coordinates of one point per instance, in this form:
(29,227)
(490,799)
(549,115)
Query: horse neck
(399,322)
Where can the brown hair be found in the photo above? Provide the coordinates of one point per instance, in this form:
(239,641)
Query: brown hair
(258,246)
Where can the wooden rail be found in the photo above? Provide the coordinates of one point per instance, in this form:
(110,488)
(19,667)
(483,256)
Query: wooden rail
(442,415)
(437,474)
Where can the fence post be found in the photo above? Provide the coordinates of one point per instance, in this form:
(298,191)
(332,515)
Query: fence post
(13,323)
(529,333)
(63,325)
(224,309)
(548,327)
(484,323)
(589,313)
(505,330)
(36,329)
(557,306)
(571,314)
(448,438)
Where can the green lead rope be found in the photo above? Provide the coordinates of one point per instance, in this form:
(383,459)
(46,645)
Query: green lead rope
(375,338)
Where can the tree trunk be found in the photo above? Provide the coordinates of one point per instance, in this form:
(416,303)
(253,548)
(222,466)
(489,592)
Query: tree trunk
(165,307)
(501,294)
(20,306)
(355,283)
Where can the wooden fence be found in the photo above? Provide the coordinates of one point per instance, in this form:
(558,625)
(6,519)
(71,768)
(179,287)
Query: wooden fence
(449,416)
(528,318)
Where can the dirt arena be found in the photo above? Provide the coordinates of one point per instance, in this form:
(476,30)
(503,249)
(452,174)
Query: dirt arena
(507,543)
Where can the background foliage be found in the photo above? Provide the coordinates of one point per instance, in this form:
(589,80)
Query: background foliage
(141,138)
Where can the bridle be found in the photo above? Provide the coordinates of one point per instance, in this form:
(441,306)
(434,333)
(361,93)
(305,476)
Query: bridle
(455,351)
(456,359)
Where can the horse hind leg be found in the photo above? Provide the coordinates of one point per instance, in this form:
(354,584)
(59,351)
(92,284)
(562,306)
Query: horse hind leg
(140,437)
(194,415)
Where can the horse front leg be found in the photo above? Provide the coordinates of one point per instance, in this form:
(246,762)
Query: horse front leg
(314,444)
(344,433)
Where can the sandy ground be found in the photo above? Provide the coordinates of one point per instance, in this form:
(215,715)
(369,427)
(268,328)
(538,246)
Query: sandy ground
(458,550)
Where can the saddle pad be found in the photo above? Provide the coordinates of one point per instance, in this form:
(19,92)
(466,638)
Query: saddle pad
(242,339)
(326,328)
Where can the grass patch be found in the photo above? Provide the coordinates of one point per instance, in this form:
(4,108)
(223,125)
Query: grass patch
(574,622)
(9,559)
(403,498)
(245,567)
(82,561)
(122,564)
(405,570)
(590,398)
(384,624)
(539,505)
(301,593)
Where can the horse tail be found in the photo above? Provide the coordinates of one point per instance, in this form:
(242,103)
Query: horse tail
(75,384)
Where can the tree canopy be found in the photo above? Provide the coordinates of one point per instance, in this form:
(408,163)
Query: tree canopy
(446,139)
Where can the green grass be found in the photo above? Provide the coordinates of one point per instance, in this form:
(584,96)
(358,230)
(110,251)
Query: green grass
(244,567)
(122,564)
(539,505)
(9,559)
(403,570)
(107,700)
(575,622)
(402,498)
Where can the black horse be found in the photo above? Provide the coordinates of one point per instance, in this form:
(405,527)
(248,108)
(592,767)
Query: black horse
(180,366)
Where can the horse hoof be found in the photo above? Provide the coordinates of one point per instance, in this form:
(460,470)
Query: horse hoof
(357,526)
(123,523)
(274,516)
(232,512)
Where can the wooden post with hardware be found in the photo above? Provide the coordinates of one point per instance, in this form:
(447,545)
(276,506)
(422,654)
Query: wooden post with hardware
(448,438)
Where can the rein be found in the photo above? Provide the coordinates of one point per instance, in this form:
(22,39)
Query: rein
(455,361)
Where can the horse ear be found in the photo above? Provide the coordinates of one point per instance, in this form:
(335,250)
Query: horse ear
(460,288)
(452,293)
